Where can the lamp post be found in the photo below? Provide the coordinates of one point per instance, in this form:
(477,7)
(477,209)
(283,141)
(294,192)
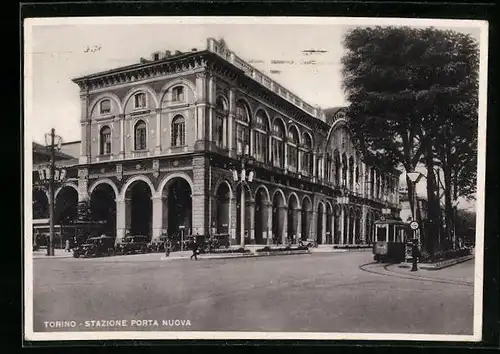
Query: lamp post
(455,211)
(240,177)
(414,177)
(50,175)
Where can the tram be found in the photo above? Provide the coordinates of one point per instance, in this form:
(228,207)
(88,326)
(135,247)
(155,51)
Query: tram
(391,237)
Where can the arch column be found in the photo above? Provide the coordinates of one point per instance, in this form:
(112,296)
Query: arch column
(158,132)
(157,202)
(323,227)
(251,220)
(232,220)
(298,223)
(269,236)
(231,117)
(283,213)
(123,217)
(342,225)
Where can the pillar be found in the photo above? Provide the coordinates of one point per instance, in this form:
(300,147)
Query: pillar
(269,239)
(199,193)
(200,105)
(158,131)
(251,220)
(123,217)
(231,117)
(211,103)
(284,224)
(122,135)
(364,212)
(232,216)
(342,225)
(332,226)
(314,164)
(298,232)
(323,227)
(157,202)
(285,152)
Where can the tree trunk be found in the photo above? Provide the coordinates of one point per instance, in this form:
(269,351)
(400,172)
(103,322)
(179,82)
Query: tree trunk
(448,203)
(432,211)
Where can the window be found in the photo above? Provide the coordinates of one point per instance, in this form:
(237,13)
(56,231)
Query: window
(105,140)
(242,112)
(242,128)
(351,173)
(307,161)
(337,167)
(140,100)
(260,137)
(178,94)
(178,131)
(219,130)
(293,151)
(105,106)
(156,56)
(140,136)
(278,148)
(344,170)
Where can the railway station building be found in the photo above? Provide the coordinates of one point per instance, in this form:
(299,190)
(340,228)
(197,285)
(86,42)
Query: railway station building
(162,140)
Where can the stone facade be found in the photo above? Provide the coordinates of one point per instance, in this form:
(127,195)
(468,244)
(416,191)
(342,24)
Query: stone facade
(189,117)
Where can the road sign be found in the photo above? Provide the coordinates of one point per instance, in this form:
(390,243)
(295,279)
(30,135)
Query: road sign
(414,225)
(181,227)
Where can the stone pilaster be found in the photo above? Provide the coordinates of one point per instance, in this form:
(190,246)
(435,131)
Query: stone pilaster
(199,193)
(269,238)
(123,218)
(158,132)
(232,212)
(251,220)
(323,229)
(298,228)
(157,202)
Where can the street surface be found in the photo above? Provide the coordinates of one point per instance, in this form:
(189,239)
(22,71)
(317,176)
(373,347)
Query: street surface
(321,292)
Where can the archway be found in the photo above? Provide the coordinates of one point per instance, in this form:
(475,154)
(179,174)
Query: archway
(103,208)
(222,209)
(293,209)
(319,224)
(279,214)
(40,204)
(138,198)
(261,216)
(66,206)
(306,218)
(177,208)
(329,226)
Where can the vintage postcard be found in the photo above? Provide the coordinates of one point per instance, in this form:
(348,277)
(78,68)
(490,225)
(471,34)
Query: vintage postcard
(254,178)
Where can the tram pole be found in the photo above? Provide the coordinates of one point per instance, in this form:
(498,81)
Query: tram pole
(50,248)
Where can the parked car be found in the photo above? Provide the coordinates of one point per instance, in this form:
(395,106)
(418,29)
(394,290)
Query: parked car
(158,245)
(133,244)
(95,247)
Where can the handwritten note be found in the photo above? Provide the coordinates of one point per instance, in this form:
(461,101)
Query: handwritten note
(92,49)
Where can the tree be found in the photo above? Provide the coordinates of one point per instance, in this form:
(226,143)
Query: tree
(399,81)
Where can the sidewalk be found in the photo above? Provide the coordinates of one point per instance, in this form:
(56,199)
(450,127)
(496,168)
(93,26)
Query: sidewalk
(58,253)
(438,265)
(187,255)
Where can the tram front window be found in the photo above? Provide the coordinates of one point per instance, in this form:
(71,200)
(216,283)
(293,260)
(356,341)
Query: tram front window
(381,234)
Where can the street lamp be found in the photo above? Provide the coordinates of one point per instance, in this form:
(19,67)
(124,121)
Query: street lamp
(241,177)
(414,177)
(50,175)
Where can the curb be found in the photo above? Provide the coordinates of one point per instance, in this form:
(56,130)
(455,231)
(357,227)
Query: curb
(253,255)
(439,265)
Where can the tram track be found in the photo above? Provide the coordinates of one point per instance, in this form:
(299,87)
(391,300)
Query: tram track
(381,269)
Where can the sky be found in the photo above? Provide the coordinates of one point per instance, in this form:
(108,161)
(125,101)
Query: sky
(57,50)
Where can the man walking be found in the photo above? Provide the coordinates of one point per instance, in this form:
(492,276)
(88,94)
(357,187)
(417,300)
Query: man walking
(194,248)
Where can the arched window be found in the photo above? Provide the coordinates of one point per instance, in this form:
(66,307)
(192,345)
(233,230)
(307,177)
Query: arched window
(293,151)
(329,168)
(307,160)
(220,117)
(178,137)
(242,126)
(278,151)
(178,94)
(140,100)
(105,138)
(140,132)
(105,106)
(261,130)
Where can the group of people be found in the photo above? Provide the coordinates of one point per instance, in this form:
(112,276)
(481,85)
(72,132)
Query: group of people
(192,245)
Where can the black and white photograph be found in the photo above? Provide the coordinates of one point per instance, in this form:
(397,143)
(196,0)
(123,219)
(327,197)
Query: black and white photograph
(261,178)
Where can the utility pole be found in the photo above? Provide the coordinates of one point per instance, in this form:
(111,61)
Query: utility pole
(50,249)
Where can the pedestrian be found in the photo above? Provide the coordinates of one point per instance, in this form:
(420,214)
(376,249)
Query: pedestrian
(415,254)
(194,248)
(166,245)
(68,249)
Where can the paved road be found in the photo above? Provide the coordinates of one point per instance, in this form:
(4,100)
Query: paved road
(323,292)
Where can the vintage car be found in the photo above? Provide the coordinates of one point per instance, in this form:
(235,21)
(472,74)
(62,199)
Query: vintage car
(133,244)
(96,247)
